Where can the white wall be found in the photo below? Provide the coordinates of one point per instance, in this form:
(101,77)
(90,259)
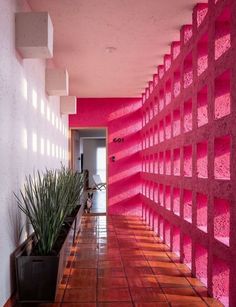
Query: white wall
(22,85)
(90,155)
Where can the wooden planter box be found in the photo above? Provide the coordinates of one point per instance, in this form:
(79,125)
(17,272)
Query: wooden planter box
(38,277)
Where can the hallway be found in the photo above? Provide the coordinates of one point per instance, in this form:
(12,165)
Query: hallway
(118,261)
(142,93)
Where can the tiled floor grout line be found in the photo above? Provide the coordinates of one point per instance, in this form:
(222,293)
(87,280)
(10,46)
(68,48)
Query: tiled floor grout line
(150,265)
(146,259)
(153,237)
(71,264)
(96,234)
(152,270)
(127,280)
(171,261)
(190,285)
(64,289)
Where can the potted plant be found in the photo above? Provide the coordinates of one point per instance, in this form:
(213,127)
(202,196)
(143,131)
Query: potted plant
(50,203)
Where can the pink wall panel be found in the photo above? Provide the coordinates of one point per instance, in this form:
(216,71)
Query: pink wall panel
(122,117)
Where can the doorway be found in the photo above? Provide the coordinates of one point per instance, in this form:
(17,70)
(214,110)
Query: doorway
(89,154)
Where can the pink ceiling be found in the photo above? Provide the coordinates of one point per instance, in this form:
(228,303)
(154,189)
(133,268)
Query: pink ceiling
(111,47)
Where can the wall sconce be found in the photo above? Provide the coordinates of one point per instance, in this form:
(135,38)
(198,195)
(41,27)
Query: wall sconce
(34,35)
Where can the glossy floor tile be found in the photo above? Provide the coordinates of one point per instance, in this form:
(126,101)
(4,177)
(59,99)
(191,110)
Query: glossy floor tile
(119,261)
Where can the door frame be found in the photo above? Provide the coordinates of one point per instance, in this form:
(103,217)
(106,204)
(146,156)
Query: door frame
(72,158)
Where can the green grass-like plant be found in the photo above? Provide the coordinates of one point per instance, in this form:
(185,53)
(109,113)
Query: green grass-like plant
(47,199)
(74,181)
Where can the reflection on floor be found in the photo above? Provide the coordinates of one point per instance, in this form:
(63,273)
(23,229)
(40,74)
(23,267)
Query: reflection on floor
(99,202)
(118,261)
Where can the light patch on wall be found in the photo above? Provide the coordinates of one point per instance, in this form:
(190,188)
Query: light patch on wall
(128,151)
(123,174)
(53,150)
(122,196)
(34,99)
(42,107)
(60,152)
(34,142)
(25,88)
(25,139)
(48,148)
(131,129)
(48,113)
(53,118)
(56,122)
(101,163)
(42,146)
(125,110)
(60,125)
(63,154)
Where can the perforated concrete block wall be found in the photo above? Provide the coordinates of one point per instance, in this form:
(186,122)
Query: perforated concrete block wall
(189,146)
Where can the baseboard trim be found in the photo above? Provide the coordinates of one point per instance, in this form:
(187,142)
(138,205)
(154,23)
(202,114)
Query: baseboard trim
(95,214)
(11,302)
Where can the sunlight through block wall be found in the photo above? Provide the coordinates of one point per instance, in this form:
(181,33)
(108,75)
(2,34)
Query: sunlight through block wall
(189,112)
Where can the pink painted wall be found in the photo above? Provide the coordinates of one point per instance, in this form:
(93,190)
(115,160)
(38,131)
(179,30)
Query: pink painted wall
(122,117)
(189,145)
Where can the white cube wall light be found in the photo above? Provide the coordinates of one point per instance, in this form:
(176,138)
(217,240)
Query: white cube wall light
(34,34)
(68,105)
(56,82)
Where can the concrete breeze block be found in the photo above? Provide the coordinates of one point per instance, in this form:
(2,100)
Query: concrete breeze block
(34,35)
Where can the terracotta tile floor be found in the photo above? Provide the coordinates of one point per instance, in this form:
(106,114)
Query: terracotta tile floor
(118,261)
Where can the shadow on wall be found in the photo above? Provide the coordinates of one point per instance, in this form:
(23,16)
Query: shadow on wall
(124,184)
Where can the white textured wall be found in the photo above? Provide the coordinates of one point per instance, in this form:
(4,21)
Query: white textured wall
(22,119)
